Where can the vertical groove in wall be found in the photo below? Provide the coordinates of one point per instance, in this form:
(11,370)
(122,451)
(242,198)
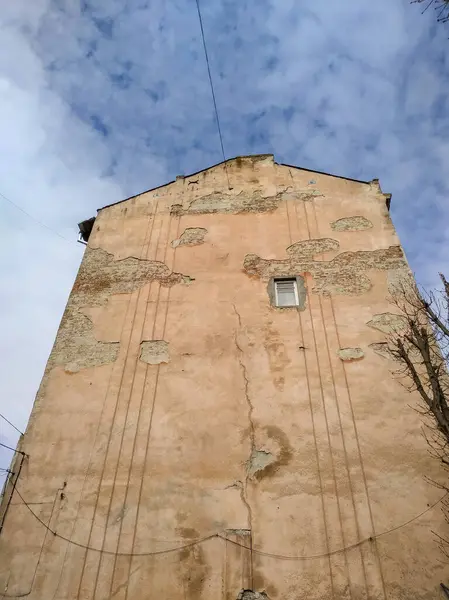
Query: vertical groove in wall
(312,417)
(115,574)
(345,583)
(349,516)
(376,551)
(116,368)
(70,550)
(355,432)
(153,403)
(95,559)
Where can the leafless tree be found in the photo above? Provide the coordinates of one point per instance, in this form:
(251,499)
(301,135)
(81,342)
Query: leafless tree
(420,345)
(441,7)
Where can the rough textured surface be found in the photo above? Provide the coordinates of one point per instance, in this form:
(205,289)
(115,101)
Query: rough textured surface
(192,236)
(400,279)
(266,462)
(344,274)
(350,354)
(154,352)
(250,595)
(351,224)
(82,350)
(244,202)
(100,277)
(239,532)
(388,322)
(258,461)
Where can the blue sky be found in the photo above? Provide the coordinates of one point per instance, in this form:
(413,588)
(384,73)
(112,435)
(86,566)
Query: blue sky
(101,100)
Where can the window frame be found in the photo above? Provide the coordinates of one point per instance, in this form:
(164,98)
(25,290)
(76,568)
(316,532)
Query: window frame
(295,290)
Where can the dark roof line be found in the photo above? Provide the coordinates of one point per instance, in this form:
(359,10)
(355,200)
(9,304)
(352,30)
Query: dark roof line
(229,160)
(158,187)
(324,173)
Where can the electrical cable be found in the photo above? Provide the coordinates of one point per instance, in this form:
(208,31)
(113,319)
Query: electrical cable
(34,218)
(224,538)
(13,449)
(12,424)
(213,91)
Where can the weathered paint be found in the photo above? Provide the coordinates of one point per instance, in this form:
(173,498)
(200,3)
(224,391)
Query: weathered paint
(179,405)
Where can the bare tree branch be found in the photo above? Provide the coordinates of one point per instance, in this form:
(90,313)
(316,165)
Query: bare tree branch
(420,348)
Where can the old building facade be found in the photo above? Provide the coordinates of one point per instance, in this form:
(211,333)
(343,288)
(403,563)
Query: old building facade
(218,417)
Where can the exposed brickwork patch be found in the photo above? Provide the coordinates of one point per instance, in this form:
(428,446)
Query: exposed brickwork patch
(351,224)
(99,277)
(192,236)
(388,322)
(343,274)
(244,202)
(258,461)
(154,352)
(250,595)
(350,354)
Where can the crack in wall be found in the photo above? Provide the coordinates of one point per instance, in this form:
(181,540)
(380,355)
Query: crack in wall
(252,432)
(344,274)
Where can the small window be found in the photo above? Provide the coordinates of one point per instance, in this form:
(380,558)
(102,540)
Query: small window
(286,292)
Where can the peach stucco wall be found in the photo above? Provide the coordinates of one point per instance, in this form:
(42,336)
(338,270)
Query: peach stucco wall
(179,405)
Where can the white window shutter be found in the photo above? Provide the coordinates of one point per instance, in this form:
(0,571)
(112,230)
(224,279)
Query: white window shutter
(286,292)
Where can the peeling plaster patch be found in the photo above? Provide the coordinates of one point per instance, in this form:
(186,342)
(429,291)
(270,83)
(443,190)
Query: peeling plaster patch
(154,352)
(310,248)
(350,354)
(382,349)
(192,236)
(244,202)
(100,277)
(219,202)
(340,275)
(250,595)
(82,350)
(388,322)
(263,463)
(351,224)
(306,196)
(238,532)
(400,279)
(258,461)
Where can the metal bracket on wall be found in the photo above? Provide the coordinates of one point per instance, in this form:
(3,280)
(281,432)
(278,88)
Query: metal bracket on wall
(10,484)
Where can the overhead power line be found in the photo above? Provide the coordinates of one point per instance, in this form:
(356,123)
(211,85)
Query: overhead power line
(13,449)
(22,210)
(226,539)
(12,424)
(212,90)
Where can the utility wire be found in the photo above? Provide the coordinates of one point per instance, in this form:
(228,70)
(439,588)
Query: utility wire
(13,449)
(212,90)
(34,218)
(224,538)
(12,425)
